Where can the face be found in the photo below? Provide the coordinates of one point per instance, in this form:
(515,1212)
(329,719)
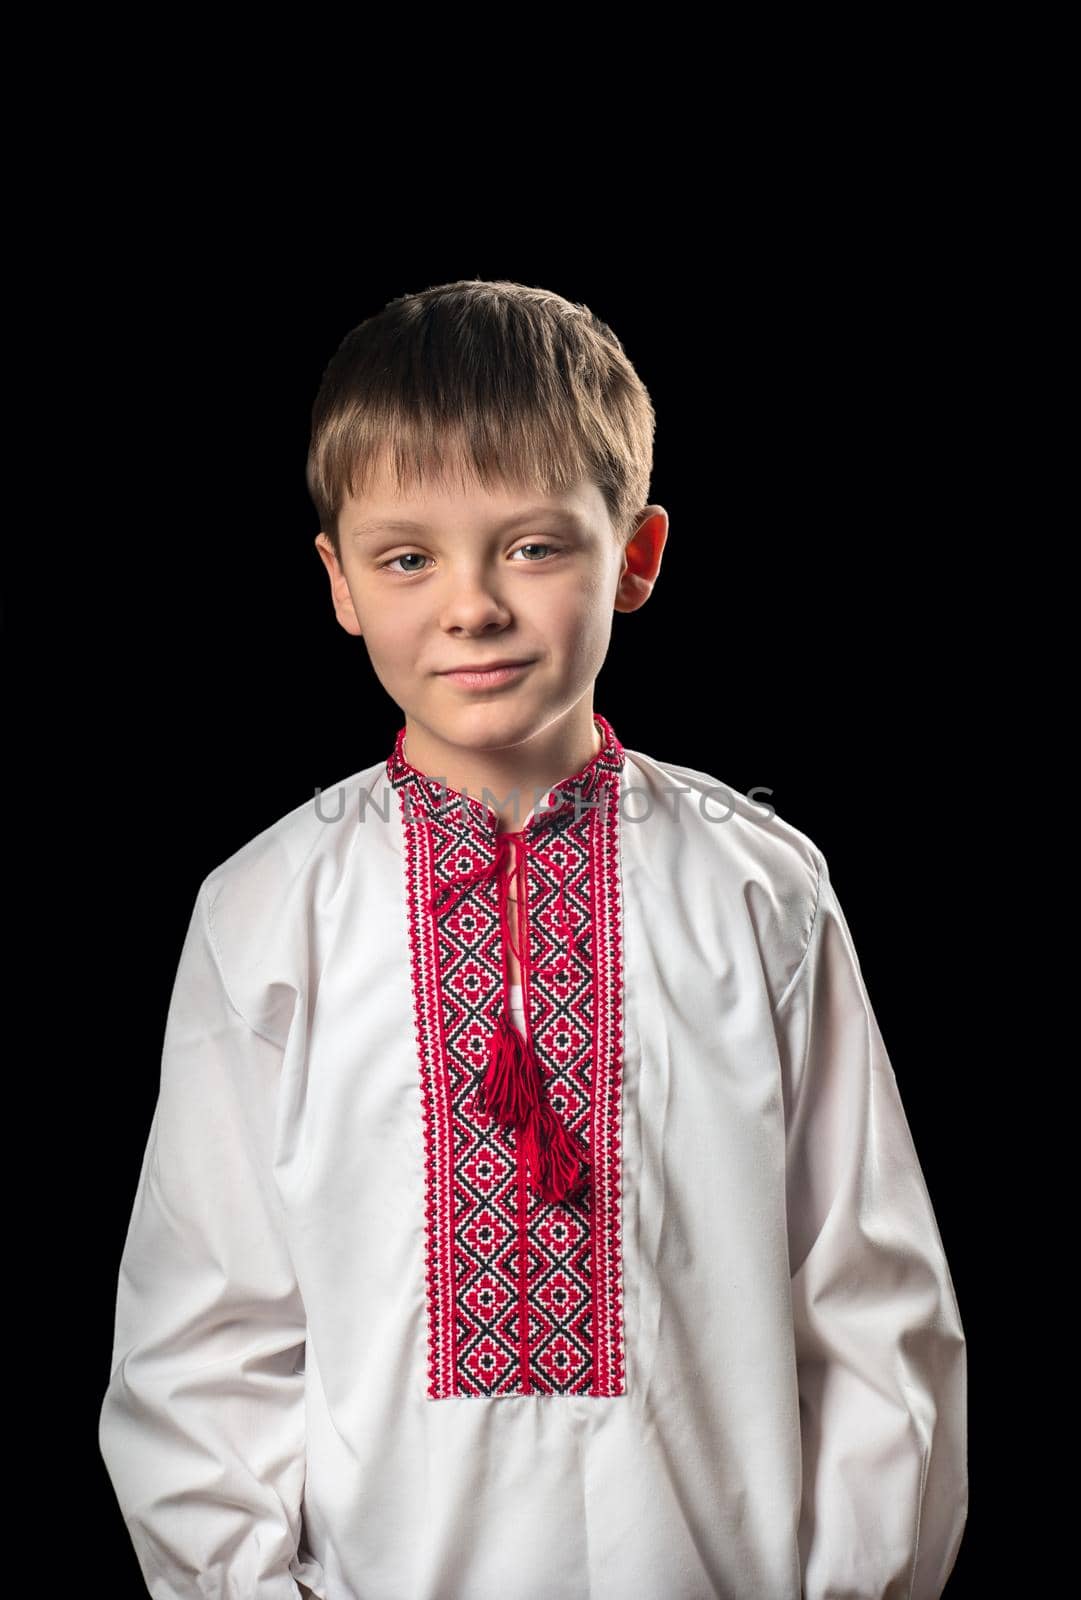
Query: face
(484,576)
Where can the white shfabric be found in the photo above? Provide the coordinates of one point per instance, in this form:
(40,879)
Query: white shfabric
(517,1005)
(794,1421)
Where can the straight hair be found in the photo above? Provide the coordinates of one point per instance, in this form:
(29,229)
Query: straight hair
(492,381)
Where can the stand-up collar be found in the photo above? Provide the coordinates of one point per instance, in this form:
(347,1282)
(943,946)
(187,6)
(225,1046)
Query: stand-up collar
(571,797)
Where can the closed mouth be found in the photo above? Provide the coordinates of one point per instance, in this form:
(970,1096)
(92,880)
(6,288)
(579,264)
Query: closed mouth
(489,666)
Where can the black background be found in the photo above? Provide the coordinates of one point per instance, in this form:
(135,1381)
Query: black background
(808,631)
